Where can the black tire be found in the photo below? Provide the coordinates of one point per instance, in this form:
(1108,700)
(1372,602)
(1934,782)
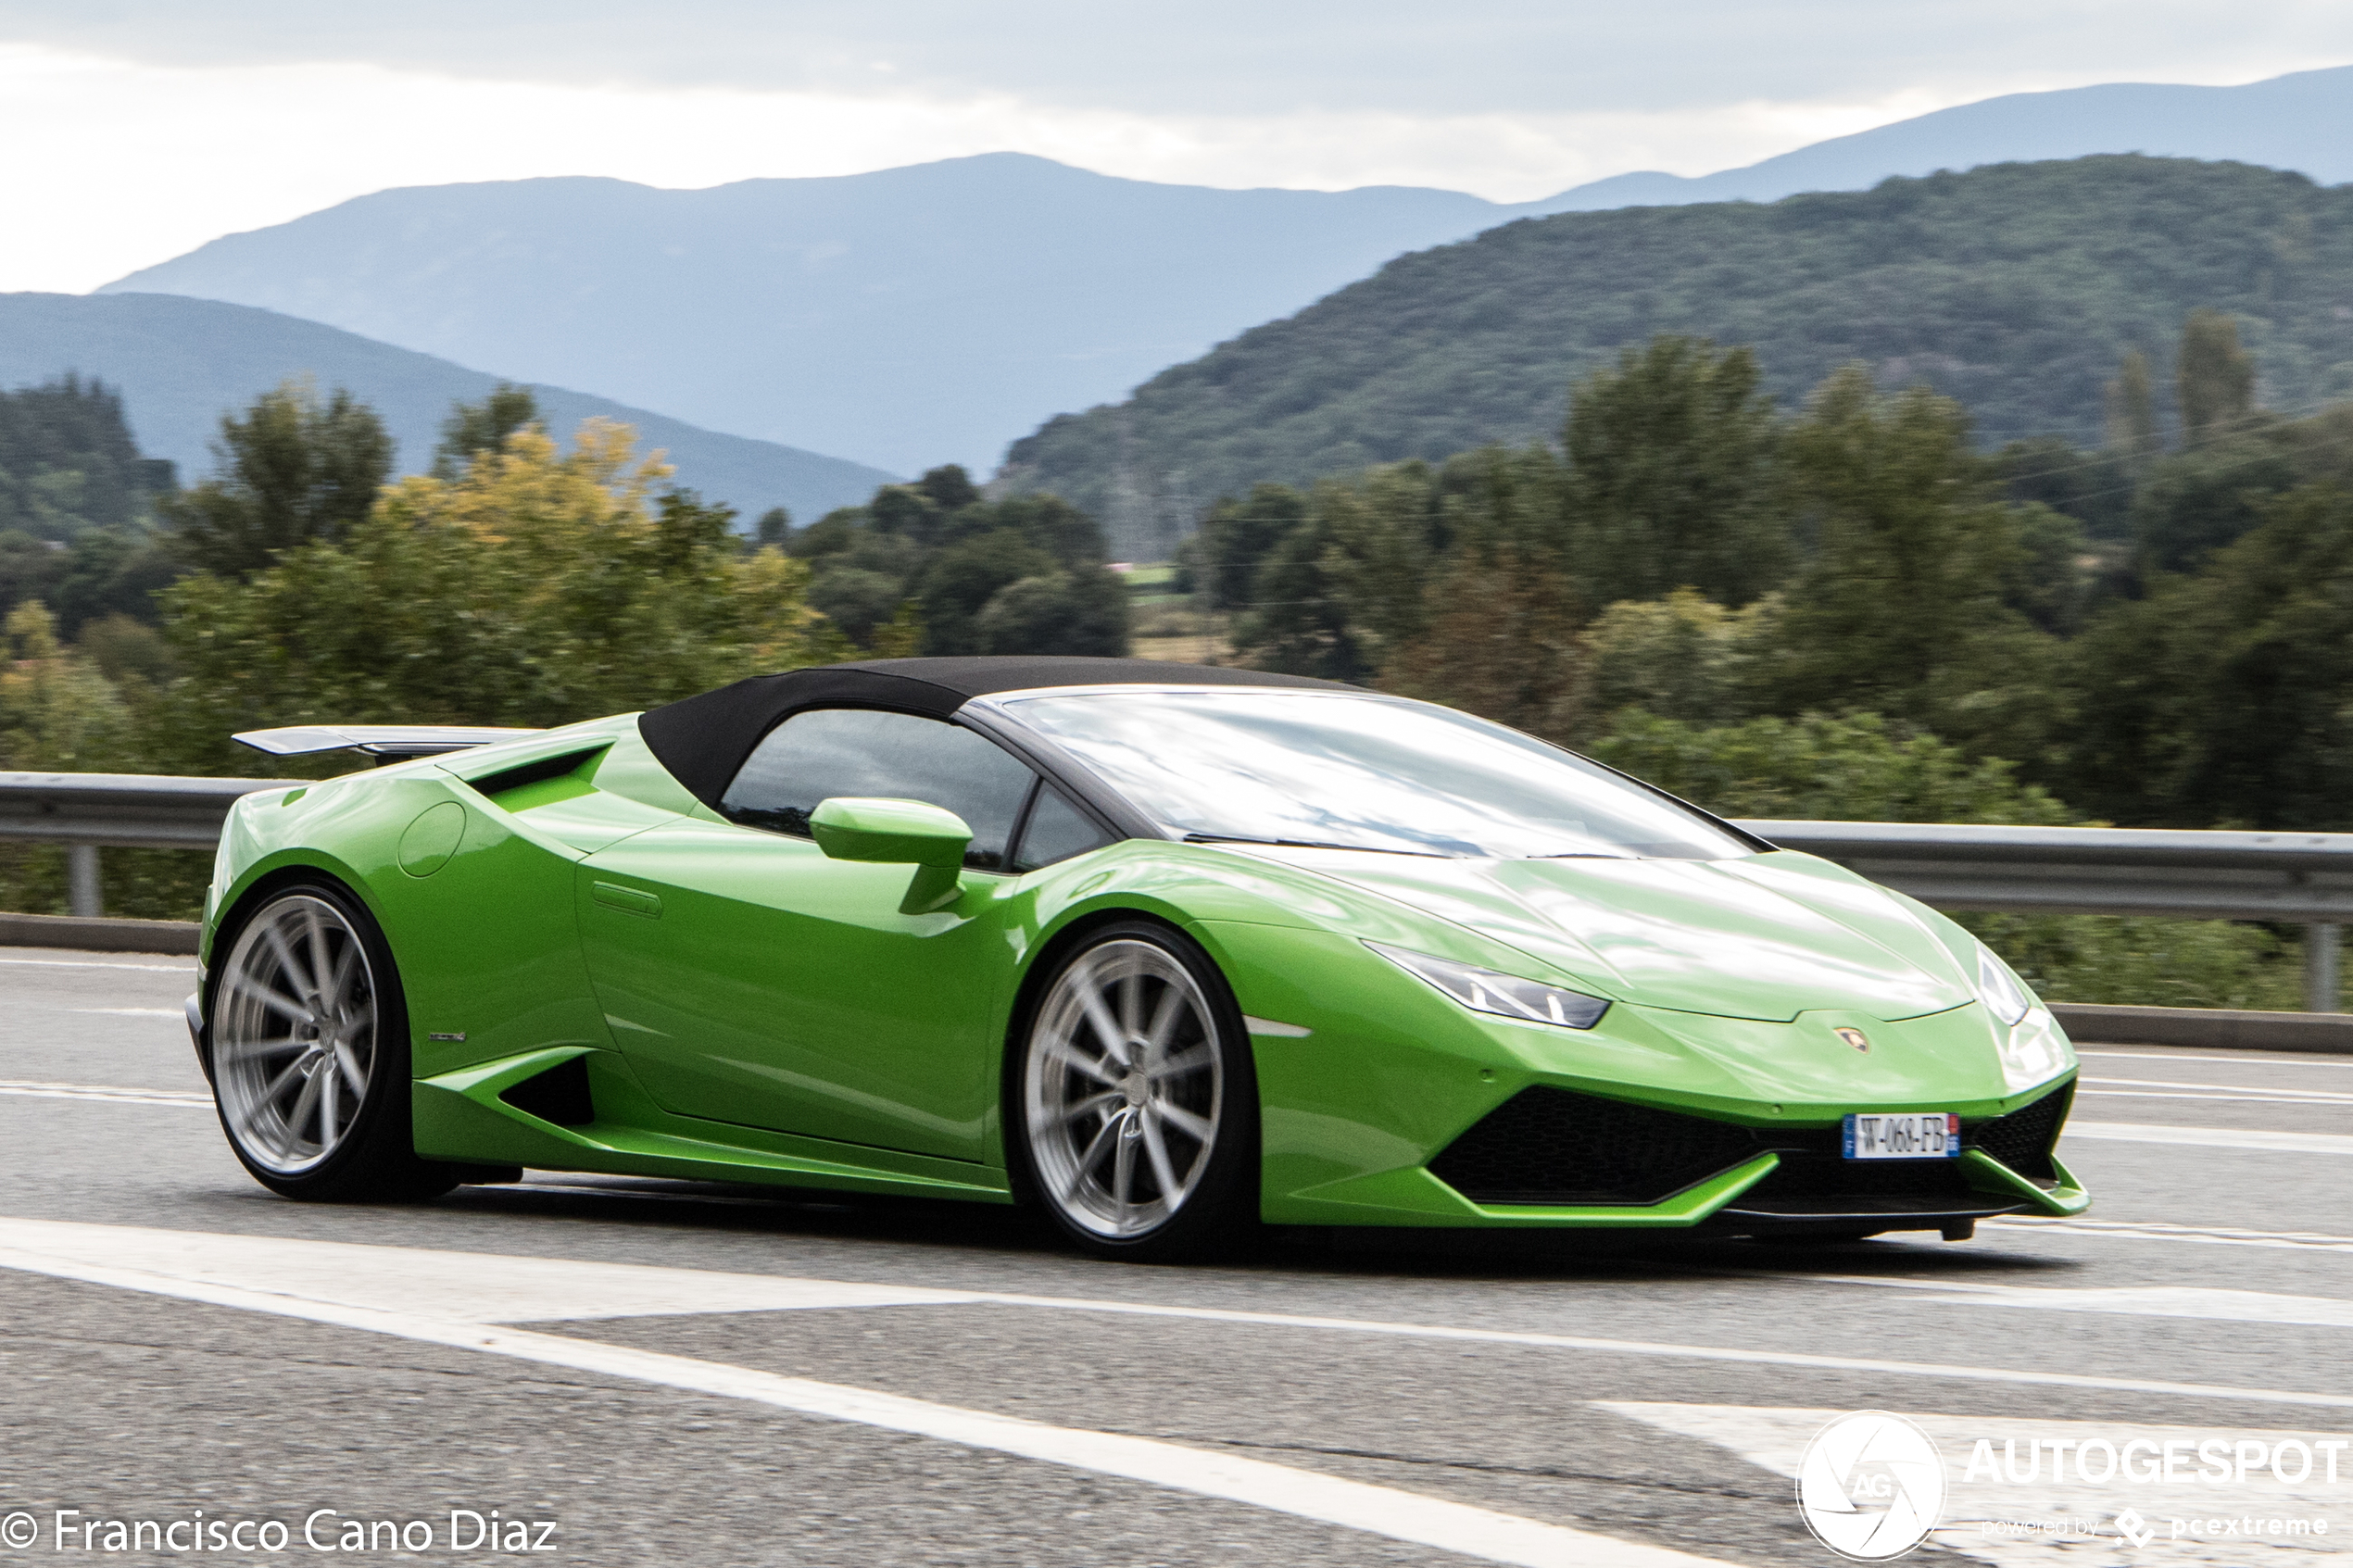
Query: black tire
(1184,1067)
(307,957)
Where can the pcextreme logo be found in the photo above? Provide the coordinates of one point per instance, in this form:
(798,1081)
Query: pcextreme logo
(1871,1485)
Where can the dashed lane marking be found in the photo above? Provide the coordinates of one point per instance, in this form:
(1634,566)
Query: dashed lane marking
(2211,1137)
(2129,1300)
(2235,1099)
(112,1094)
(2158,1230)
(2319,1097)
(1435,1522)
(87,963)
(2244,1058)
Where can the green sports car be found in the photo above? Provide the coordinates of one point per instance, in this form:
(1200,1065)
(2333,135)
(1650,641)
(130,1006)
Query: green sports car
(1165,950)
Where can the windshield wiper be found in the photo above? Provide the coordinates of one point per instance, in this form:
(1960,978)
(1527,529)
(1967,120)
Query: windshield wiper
(1312,844)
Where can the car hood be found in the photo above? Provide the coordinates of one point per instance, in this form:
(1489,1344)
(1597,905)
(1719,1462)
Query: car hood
(1765,937)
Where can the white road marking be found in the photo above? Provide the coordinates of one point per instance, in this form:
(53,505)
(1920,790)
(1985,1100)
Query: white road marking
(1774,1439)
(217,1259)
(2243,1060)
(134,1012)
(2211,1137)
(110,1093)
(2152,1230)
(84,963)
(2321,1096)
(457,1286)
(2130,1300)
(1399,1515)
(2232,1098)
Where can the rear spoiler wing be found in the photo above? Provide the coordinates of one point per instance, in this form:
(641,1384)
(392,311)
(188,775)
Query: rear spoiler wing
(376,740)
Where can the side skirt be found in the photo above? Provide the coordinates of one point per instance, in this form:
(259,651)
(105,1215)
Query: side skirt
(460,1116)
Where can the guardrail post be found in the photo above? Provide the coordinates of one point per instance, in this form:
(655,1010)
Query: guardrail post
(82,880)
(2319,968)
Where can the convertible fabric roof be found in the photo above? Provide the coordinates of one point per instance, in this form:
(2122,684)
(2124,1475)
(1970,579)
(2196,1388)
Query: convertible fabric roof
(704,740)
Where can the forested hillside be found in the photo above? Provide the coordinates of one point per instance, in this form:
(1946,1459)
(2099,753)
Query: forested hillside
(2014,289)
(67,462)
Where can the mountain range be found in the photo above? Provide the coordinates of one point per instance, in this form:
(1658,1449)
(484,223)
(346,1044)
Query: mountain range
(934,313)
(182,363)
(2014,288)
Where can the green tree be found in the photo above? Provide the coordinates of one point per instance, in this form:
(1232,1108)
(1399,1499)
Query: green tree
(2215,377)
(1237,536)
(1674,477)
(2226,698)
(535,589)
(855,600)
(773,529)
(67,462)
(1856,768)
(1081,613)
(2195,501)
(949,488)
(1499,642)
(1300,622)
(2131,410)
(1901,608)
(960,581)
(1684,656)
(293,471)
(474,429)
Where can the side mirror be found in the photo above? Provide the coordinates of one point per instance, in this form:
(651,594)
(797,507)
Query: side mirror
(898,833)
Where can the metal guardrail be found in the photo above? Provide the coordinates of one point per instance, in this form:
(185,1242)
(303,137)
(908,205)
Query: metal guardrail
(2305,878)
(87,813)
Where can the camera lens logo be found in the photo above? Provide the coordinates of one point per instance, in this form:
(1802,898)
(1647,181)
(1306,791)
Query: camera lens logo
(1871,1485)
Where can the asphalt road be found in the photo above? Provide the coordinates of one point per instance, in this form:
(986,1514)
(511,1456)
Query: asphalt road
(688,1375)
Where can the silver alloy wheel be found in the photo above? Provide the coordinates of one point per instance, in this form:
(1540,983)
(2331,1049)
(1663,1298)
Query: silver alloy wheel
(1123,1089)
(294,1034)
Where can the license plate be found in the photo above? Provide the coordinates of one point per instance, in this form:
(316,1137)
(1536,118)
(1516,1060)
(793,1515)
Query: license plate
(1934,1134)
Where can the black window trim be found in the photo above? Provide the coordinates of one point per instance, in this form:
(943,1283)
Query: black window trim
(1048,771)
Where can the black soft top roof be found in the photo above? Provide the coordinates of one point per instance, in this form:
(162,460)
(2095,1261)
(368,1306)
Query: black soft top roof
(704,740)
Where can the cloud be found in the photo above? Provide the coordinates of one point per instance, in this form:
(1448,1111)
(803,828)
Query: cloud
(122,165)
(139,129)
(1245,57)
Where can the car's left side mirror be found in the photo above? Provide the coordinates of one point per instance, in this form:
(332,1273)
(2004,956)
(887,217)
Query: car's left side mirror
(898,833)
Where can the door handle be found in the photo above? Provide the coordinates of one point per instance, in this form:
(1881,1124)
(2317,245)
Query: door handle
(628,901)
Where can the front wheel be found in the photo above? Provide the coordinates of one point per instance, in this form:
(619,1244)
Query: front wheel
(307,1041)
(1136,1110)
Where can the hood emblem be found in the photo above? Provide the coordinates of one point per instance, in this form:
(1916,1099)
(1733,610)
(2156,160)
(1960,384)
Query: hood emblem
(1854,1037)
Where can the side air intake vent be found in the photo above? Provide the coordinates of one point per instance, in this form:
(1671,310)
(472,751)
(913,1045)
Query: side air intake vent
(537,772)
(559,1095)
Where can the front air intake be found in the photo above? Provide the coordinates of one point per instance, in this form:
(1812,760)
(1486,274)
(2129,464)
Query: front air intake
(1547,1146)
(2022,1140)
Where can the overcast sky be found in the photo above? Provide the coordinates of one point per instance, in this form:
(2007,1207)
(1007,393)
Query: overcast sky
(139,129)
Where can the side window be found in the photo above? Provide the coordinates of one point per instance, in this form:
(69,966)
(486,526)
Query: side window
(1056,832)
(813,757)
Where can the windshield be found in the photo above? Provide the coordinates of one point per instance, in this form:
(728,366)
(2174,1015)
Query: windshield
(1362,773)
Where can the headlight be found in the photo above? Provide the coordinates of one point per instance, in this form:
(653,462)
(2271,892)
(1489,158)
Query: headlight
(2005,998)
(1507,995)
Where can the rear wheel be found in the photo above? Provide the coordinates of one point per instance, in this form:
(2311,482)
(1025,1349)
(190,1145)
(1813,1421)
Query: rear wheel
(307,1039)
(1137,1109)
